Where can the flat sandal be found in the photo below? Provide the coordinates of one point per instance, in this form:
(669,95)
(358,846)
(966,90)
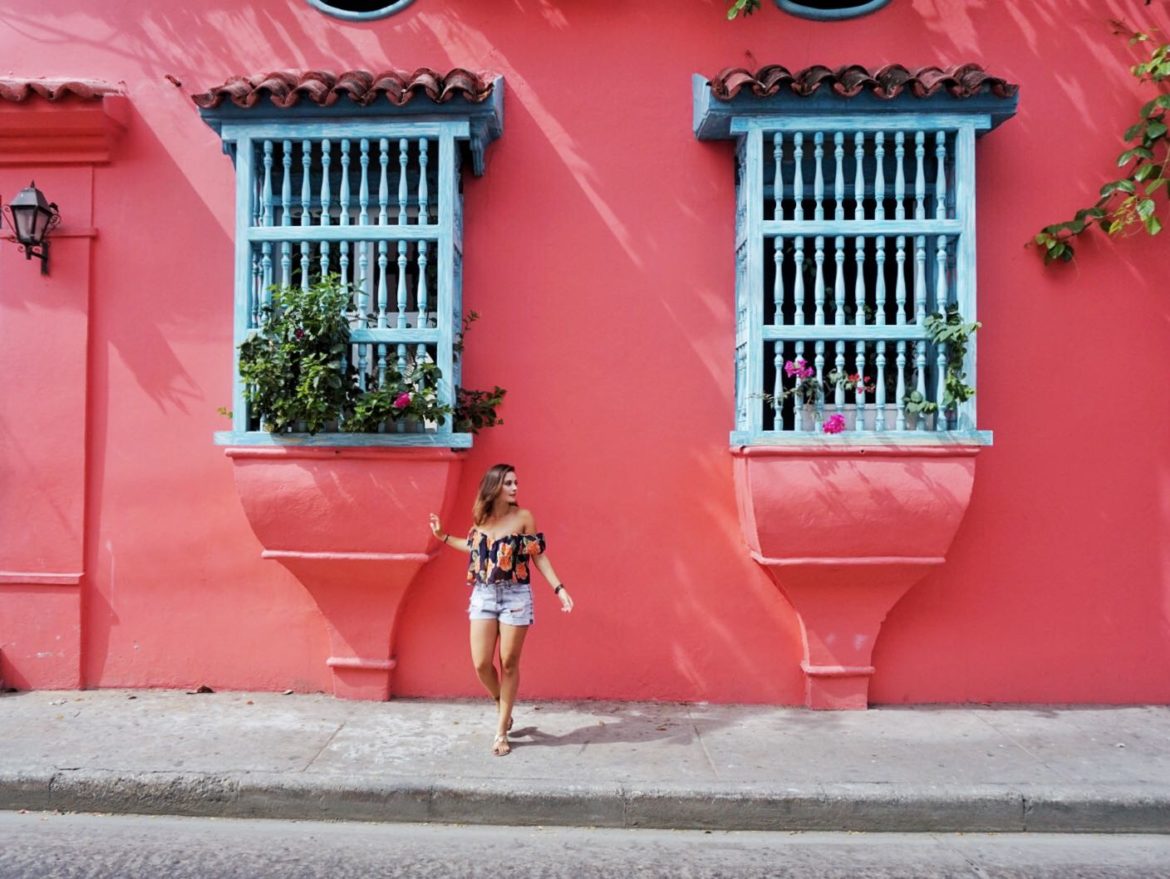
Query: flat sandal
(501,742)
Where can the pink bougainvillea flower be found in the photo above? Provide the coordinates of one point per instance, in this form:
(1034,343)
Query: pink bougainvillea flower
(799,368)
(403,400)
(834,424)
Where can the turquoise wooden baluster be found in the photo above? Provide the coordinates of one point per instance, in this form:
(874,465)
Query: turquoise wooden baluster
(364,220)
(900,214)
(402,304)
(778,242)
(859,265)
(819,366)
(383,245)
(798,400)
(357,293)
(798,291)
(920,372)
(839,366)
(326,198)
(777,176)
(364,187)
(255,291)
(777,384)
(306,207)
(422,296)
(383,181)
(879,214)
(422,181)
(900,392)
(859,398)
(941,294)
(383,296)
(266,220)
(920,240)
(403,191)
(839,241)
(818,215)
(879,398)
(343,210)
(778,283)
(286,211)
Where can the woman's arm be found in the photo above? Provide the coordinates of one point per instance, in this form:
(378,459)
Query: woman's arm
(437,530)
(545,566)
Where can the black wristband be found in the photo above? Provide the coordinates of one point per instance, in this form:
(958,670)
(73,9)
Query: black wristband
(557,589)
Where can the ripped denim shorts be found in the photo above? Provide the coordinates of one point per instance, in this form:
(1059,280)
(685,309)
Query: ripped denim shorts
(510,603)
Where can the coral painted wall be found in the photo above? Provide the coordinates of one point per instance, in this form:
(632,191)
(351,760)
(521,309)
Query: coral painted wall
(599,254)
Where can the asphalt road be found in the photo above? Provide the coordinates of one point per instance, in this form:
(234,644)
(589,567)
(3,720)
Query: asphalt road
(43,845)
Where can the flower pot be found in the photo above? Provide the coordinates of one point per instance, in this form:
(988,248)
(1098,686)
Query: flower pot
(869,413)
(808,418)
(921,420)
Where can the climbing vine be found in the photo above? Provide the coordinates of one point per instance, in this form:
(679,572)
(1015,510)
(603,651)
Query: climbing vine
(1127,204)
(747,7)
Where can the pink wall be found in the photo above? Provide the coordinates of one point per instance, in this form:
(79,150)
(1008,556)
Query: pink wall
(599,256)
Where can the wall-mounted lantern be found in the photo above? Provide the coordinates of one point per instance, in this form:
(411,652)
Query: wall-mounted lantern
(32,218)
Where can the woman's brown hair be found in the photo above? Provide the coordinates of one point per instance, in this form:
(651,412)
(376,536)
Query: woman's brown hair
(489,490)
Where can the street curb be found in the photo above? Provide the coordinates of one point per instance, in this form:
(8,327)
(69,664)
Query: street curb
(847,807)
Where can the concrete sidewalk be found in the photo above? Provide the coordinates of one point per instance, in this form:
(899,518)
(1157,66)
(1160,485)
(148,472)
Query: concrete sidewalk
(588,763)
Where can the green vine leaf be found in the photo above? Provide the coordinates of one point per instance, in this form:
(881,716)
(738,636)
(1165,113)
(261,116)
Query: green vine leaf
(1128,204)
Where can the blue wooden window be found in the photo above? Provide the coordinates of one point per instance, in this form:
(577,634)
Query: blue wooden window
(851,228)
(377,203)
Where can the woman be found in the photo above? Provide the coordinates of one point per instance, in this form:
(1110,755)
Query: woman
(502,543)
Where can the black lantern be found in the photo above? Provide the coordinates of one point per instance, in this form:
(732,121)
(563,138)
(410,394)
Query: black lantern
(32,217)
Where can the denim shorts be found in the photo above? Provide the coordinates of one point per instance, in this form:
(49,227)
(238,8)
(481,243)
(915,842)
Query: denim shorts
(510,603)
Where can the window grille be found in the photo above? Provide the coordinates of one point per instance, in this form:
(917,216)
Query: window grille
(378,209)
(856,235)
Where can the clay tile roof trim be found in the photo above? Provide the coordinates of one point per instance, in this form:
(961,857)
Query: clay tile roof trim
(963,81)
(18,91)
(287,88)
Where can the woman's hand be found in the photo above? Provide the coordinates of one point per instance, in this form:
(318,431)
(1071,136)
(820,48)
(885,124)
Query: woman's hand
(436,526)
(566,600)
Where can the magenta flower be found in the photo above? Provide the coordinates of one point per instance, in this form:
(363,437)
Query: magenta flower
(299,333)
(403,400)
(799,368)
(834,424)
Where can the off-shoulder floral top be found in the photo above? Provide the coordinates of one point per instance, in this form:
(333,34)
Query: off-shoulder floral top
(504,560)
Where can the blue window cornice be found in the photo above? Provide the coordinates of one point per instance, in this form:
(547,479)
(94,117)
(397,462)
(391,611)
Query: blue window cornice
(366,15)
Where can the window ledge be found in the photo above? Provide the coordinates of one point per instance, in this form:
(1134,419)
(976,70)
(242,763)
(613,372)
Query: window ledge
(854,441)
(357,440)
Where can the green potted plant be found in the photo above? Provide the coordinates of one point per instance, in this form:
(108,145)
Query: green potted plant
(298,377)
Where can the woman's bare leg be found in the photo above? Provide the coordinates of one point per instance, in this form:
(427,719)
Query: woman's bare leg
(483,650)
(511,644)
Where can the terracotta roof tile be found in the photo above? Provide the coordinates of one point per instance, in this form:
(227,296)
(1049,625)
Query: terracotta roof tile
(964,81)
(19,90)
(285,88)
